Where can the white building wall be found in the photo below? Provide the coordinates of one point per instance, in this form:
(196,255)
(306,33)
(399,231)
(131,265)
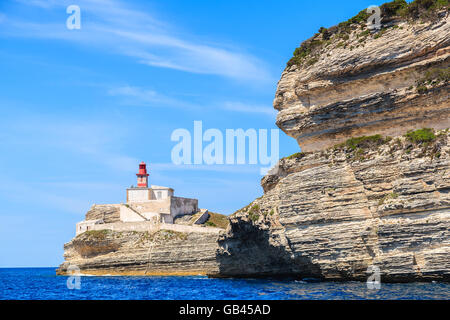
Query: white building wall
(152,216)
(128,215)
(203,217)
(151,227)
(157,204)
(166,218)
(161,193)
(180,206)
(136,195)
(87,225)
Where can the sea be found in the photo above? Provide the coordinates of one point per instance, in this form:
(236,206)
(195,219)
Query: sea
(44,284)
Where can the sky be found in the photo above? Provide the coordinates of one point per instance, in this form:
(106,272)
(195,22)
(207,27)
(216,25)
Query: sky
(79,109)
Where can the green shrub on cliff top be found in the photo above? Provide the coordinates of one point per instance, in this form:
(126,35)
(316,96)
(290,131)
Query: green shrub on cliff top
(360,18)
(297,155)
(365,142)
(254,212)
(425,8)
(421,136)
(96,234)
(210,224)
(360,147)
(217,220)
(393,8)
(304,51)
(400,9)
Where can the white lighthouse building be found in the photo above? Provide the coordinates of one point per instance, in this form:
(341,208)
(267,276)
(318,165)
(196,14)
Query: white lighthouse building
(143,193)
(149,205)
(155,202)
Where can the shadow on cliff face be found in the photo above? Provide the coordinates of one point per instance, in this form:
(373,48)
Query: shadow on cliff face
(260,250)
(89,249)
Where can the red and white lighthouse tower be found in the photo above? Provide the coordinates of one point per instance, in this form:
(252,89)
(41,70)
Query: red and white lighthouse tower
(142,176)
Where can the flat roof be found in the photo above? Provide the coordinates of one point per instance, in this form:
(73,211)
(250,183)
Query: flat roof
(160,187)
(153,187)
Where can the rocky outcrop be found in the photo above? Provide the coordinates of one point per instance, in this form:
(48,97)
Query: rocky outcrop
(351,81)
(355,199)
(141,253)
(142,248)
(107,213)
(333,213)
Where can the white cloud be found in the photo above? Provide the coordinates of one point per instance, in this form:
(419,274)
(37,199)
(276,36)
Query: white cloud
(203,167)
(94,141)
(138,96)
(115,27)
(39,3)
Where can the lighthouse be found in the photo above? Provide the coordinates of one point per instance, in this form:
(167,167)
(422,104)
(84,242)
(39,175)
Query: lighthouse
(142,176)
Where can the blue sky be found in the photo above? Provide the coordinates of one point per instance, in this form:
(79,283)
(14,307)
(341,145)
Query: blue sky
(81,108)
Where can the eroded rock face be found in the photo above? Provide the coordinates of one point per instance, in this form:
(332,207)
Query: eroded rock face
(107,213)
(332,214)
(163,252)
(368,83)
(141,253)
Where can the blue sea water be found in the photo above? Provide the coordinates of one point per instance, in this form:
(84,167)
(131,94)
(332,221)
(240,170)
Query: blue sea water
(42,283)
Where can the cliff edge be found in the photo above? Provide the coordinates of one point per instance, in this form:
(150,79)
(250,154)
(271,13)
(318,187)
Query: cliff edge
(349,81)
(144,248)
(332,214)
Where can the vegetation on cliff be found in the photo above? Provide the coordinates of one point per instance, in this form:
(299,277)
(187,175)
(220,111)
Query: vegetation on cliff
(335,217)
(255,213)
(94,235)
(425,142)
(432,78)
(364,142)
(217,220)
(398,10)
(297,155)
(421,135)
(164,252)
(99,242)
(355,197)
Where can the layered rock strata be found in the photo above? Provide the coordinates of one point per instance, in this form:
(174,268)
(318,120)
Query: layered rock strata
(164,252)
(152,250)
(333,214)
(353,201)
(366,81)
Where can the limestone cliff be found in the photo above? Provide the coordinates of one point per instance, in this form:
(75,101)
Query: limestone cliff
(141,253)
(332,214)
(107,213)
(355,197)
(350,81)
(148,250)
